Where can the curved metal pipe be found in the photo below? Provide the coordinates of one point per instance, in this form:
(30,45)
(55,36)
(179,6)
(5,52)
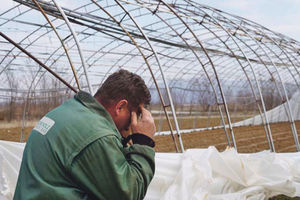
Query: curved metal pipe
(290,115)
(214,69)
(288,110)
(61,41)
(162,74)
(206,73)
(268,133)
(39,62)
(77,43)
(147,63)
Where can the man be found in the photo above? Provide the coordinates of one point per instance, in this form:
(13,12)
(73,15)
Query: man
(76,151)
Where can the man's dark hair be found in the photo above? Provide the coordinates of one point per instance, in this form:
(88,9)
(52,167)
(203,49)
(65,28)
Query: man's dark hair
(124,85)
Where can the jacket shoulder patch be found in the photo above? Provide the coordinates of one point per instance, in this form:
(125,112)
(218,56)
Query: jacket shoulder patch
(44,125)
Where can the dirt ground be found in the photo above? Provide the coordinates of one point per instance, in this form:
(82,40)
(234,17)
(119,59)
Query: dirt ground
(248,139)
(14,134)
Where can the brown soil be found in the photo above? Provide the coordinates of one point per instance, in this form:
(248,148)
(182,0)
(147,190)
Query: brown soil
(248,139)
(14,133)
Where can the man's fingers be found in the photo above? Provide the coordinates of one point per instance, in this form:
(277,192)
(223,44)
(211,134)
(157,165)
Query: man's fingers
(133,118)
(145,125)
(145,112)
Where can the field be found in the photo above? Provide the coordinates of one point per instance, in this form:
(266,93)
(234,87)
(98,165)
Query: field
(248,138)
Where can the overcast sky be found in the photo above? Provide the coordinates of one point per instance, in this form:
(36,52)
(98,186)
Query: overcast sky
(282,16)
(279,15)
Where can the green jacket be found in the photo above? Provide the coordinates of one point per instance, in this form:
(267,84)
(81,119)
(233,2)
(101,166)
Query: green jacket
(75,152)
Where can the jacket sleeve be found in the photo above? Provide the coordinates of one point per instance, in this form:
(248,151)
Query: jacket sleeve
(106,170)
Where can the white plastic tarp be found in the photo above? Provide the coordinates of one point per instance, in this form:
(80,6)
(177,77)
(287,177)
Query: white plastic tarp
(10,162)
(277,114)
(210,175)
(197,174)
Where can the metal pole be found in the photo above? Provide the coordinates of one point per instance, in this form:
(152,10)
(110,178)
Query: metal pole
(39,62)
(268,133)
(213,67)
(266,124)
(289,113)
(206,73)
(149,67)
(61,41)
(78,45)
(162,74)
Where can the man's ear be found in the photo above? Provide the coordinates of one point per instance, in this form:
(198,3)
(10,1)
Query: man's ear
(121,106)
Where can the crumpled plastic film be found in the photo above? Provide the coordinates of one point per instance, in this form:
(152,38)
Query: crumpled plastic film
(206,174)
(197,174)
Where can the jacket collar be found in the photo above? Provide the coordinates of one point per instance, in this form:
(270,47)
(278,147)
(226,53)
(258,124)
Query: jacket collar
(90,102)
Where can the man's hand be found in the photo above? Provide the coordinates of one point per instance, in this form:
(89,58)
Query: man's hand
(145,125)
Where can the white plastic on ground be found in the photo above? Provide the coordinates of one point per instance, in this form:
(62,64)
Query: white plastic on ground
(10,162)
(277,114)
(210,175)
(202,174)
